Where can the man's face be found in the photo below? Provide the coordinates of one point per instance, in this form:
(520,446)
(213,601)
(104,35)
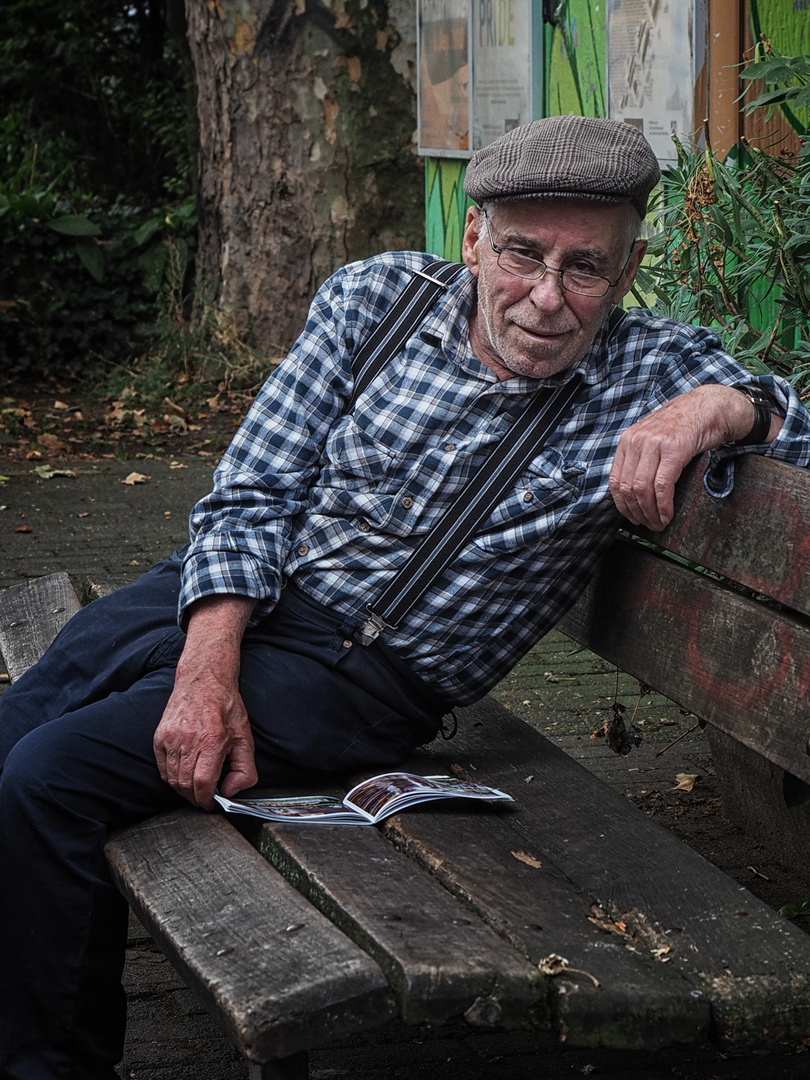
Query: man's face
(535,327)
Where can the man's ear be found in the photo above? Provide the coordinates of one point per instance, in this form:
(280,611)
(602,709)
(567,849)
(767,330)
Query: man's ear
(473,227)
(631,269)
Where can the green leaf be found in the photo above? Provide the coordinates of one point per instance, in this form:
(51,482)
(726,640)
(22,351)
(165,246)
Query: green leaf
(91,257)
(791,911)
(147,230)
(74,225)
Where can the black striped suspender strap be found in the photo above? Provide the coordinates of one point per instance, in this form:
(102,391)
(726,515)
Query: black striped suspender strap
(400,321)
(476,500)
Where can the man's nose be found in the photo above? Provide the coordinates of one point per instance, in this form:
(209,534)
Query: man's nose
(547,292)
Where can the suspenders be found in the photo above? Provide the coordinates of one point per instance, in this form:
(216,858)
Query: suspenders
(484,488)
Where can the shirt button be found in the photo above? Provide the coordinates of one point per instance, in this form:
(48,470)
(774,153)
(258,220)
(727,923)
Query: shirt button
(364,526)
(347,644)
(407,502)
(528,497)
(449,447)
(303,549)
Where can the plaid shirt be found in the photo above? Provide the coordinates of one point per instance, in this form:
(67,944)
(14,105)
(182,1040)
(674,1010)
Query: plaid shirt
(337,501)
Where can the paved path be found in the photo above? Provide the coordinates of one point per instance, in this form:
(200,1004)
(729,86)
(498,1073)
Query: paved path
(92,523)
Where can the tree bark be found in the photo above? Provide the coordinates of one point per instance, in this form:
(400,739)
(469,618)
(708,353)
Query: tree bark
(307,151)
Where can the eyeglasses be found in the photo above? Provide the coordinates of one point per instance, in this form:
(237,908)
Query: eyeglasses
(573,281)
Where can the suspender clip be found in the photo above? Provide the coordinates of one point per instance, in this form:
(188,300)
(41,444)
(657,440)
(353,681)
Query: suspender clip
(372,627)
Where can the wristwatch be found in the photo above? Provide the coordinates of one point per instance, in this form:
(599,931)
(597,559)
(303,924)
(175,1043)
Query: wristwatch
(764,407)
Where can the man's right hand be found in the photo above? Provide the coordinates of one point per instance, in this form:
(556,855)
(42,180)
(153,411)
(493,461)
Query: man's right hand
(205,727)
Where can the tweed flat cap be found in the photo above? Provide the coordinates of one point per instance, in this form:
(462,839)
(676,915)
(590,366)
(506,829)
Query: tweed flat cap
(577,157)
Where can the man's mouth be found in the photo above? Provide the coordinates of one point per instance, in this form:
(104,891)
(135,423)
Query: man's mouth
(542,334)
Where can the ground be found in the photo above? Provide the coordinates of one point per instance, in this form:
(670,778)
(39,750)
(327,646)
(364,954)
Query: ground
(68,501)
(51,418)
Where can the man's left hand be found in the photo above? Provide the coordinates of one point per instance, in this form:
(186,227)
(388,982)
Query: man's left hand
(653,452)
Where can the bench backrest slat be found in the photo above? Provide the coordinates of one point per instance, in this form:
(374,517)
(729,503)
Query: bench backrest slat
(758,536)
(735,662)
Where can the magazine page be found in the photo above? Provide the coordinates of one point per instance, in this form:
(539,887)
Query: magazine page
(387,793)
(316,809)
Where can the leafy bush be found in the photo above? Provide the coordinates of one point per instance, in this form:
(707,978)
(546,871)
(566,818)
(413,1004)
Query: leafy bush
(733,252)
(96,163)
(79,289)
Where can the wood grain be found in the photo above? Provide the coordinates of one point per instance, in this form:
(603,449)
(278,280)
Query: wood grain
(442,961)
(31,615)
(735,662)
(749,963)
(758,536)
(278,975)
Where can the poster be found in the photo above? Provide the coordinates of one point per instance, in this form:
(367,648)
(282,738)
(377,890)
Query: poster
(655,48)
(502,68)
(445,101)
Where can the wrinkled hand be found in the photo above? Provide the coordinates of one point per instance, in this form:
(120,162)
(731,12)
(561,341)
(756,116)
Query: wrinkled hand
(204,734)
(653,453)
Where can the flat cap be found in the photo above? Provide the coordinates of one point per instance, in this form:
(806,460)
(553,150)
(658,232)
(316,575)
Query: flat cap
(577,157)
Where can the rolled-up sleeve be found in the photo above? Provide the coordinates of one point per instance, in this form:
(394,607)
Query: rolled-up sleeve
(240,532)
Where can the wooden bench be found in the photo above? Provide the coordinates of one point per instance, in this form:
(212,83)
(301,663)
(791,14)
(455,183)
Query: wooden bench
(307,934)
(723,629)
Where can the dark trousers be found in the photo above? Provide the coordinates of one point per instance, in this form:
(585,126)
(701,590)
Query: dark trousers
(76,761)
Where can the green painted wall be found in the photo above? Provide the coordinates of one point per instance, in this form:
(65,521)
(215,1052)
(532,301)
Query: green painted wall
(446,206)
(786,24)
(575,60)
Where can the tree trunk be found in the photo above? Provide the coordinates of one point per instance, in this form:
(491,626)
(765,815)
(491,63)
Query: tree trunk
(307,152)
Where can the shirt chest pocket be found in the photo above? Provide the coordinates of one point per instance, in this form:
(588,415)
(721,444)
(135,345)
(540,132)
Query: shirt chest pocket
(354,459)
(541,497)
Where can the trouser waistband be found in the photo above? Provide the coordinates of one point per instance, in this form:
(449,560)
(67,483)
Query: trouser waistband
(296,601)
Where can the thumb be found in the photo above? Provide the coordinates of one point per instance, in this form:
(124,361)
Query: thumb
(241,772)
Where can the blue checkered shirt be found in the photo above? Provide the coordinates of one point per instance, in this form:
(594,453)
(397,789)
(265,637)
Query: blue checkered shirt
(336,501)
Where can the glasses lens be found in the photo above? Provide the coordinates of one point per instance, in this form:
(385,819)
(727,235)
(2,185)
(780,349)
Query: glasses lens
(520,265)
(585,284)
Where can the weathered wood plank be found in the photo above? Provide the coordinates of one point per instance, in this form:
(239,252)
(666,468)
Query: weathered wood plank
(763,799)
(751,964)
(758,536)
(640,1003)
(31,615)
(441,959)
(279,976)
(737,663)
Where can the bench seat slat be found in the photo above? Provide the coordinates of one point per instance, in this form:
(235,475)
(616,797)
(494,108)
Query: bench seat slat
(441,960)
(751,964)
(735,662)
(639,1004)
(261,958)
(31,615)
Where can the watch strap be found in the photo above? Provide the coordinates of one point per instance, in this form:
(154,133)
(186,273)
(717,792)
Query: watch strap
(763,410)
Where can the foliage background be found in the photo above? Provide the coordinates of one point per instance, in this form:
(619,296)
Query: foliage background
(96,179)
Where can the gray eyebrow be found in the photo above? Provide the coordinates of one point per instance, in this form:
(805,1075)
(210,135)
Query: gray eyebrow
(594,254)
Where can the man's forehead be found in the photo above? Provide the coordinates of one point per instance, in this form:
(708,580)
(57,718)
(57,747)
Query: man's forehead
(588,226)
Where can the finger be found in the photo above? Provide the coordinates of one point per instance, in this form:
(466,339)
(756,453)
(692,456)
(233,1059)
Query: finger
(242,771)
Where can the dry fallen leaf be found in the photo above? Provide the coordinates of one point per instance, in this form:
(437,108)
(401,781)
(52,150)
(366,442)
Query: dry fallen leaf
(48,472)
(685,781)
(554,964)
(52,442)
(524,857)
(136,478)
(24,528)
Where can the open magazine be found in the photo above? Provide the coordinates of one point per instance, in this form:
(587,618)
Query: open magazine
(367,803)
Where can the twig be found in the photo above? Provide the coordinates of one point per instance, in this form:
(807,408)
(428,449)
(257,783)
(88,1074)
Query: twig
(682,735)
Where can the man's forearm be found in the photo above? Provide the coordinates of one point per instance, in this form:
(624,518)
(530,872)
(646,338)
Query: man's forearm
(216,626)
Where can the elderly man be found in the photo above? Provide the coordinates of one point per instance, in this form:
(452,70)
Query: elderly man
(277,668)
